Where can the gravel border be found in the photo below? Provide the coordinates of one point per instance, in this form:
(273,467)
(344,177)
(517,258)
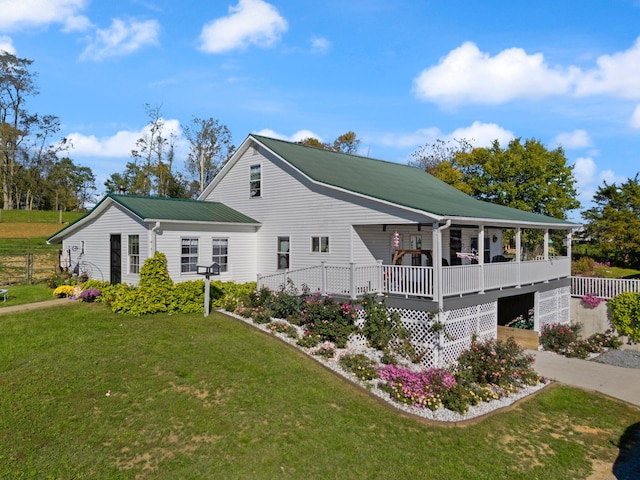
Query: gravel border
(619,358)
(442,414)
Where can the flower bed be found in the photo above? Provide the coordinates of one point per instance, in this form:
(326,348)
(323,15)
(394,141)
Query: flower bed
(490,375)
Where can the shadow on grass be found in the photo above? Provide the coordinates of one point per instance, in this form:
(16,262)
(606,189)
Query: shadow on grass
(627,465)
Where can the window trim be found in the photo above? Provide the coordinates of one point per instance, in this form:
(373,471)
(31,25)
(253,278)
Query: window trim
(255,192)
(283,254)
(319,239)
(133,266)
(191,267)
(224,266)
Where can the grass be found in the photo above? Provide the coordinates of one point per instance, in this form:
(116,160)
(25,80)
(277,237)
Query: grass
(37,216)
(22,294)
(92,394)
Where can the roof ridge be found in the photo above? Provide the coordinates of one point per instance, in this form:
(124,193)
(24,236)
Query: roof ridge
(116,196)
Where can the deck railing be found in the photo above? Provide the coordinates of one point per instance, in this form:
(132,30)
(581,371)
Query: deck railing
(356,280)
(603,287)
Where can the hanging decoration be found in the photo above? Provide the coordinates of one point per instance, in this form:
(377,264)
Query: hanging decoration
(396,240)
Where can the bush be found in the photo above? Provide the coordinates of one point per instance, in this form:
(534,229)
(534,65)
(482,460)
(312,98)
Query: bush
(63,291)
(420,389)
(325,318)
(359,365)
(557,337)
(89,295)
(625,309)
(498,362)
(187,297)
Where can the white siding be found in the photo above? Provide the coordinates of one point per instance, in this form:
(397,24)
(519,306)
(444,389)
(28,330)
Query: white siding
(291,206)
(90,245)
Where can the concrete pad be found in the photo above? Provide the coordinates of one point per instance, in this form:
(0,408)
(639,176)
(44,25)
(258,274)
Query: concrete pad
(617,382)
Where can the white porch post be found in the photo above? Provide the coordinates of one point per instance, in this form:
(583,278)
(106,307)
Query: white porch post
(323,278)
(569,236)
(480,254)
(352,281)
(437,262)
(546,244)
(518,255)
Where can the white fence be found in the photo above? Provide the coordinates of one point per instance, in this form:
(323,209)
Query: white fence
(603,287)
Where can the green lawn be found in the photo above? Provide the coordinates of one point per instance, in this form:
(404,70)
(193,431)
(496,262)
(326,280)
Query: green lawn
(21,294)
(86,393)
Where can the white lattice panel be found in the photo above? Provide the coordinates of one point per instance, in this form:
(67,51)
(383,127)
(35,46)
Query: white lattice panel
(553,306)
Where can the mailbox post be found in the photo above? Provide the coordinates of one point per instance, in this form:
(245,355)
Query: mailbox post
(208,271)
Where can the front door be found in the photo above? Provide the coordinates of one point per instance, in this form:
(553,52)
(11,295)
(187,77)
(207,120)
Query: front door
(115,259)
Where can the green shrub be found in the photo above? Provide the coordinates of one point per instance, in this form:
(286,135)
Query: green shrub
(625,309)
(328,319)
(359,365)
(557,337)
(584,267)
(498,362)
(308,341)
(187,297)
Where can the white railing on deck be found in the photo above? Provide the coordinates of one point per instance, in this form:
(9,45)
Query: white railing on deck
(356,280)
(603,287)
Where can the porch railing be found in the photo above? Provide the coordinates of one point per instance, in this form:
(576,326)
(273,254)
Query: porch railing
(356,280)
(603,287)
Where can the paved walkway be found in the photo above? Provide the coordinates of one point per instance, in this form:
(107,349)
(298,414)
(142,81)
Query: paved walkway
(617,382)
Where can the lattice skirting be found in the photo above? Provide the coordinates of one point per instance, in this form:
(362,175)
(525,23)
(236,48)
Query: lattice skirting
(553,306)
(442,349)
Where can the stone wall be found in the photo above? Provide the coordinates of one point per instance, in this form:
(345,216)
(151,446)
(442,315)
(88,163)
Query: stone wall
(593,320)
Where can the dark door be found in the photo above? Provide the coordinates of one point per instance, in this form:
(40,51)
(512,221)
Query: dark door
(116,259)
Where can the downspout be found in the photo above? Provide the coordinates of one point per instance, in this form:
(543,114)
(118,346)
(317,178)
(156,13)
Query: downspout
(152,240)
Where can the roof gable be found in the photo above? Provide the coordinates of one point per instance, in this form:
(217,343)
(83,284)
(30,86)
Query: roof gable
(395,183)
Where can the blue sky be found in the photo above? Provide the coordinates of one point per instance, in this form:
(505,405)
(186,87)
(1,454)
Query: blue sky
(400,74)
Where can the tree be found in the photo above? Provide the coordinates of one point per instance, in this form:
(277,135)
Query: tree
(209,149)
(438,159)
(525,176)
(16,83)
(345,143)
(614,221)
(73,185)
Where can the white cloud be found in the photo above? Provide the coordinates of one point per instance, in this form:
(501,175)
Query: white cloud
(320,44)
(482,134)
(250,22)
(296,137)
(6,45)
(122,38)
(478,134)
(635,118)
(584,171)
(468,75)
(573,140)
(18,14)
(617,75)
(118,145)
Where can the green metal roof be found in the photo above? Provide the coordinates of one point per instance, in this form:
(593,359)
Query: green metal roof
(396,183)
(168,210)
(180,210)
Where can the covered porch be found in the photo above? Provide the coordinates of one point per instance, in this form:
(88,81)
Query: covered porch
(406,265)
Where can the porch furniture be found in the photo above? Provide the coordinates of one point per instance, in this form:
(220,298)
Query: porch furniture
(4,293)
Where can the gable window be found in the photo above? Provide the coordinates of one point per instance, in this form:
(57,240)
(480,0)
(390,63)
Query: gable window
(283,253)
(255,181)
(220,253)
(320,244)
(134,253)
(189,255)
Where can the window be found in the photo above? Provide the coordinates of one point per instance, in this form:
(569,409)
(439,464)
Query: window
(255,181)
(189,255)
(283,253)
(220,253)
(134,254)
(320,244)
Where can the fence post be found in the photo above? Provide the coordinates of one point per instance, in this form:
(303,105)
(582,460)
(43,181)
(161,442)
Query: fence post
(352,280)
(380,281)
(323,278)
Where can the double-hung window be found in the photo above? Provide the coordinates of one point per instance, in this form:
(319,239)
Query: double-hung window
(221,253)
(255,181)
(189,255)
(320,244)
(134,253)
(283,252)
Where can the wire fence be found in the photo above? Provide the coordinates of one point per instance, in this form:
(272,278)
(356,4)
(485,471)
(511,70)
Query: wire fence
(24,263)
